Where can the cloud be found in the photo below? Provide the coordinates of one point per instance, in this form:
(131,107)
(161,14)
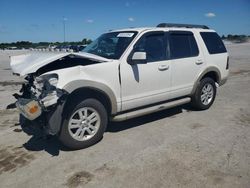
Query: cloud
(130,3)
(89,21)
(127,4)
(210,15)
(131,19)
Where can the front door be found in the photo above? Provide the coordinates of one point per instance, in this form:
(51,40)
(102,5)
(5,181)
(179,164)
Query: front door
(146,83)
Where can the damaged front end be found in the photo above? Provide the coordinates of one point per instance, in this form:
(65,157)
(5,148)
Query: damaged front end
(40,97)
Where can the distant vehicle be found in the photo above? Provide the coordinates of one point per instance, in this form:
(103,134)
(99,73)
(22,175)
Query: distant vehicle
(77,48)
(12,48)
(121,75)
(52,47)
(63,47)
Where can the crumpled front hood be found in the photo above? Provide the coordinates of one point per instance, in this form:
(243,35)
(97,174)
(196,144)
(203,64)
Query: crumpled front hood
(29,63)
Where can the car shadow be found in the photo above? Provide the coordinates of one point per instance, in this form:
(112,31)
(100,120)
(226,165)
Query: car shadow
(51,145)
(38,140)
(139,121)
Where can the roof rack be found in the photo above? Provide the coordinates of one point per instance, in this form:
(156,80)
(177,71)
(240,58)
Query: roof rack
(182,25)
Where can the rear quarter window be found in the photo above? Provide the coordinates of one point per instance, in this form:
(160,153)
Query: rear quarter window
(213,42)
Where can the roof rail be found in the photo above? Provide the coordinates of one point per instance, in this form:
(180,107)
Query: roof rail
(182,25)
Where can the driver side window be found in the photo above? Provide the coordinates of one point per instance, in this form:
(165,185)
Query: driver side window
(154,45)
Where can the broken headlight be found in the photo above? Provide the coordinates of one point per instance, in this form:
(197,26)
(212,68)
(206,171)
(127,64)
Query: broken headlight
(46,82)
(45,89)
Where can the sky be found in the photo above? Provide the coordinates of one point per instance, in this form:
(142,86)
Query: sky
(43,20)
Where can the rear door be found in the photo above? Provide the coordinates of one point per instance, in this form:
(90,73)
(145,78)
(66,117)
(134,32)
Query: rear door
(186,62)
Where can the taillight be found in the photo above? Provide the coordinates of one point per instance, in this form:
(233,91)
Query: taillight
(227,67)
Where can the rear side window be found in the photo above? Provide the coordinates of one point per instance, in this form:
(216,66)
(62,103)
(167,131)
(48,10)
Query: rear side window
(213,42)
(182,45)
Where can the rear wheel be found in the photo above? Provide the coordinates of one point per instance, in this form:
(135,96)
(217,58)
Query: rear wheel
(205,94)
(84,125)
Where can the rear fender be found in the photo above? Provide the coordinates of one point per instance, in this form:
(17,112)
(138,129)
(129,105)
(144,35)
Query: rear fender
(203,73)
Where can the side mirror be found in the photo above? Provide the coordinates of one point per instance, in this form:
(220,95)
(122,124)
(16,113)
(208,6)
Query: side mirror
(138,57)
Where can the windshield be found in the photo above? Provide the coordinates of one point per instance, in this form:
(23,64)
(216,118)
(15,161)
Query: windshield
(111,45)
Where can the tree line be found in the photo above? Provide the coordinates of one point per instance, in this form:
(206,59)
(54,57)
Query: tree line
(238,38)
(28,44)
(85,41)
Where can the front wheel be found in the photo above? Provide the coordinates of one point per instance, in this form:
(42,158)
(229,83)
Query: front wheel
(84,125)
(205,94)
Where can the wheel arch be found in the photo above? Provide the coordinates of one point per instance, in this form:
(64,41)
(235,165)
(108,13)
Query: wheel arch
(211,72)
(94,90)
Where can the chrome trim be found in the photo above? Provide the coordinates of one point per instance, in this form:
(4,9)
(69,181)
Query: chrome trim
(149,110)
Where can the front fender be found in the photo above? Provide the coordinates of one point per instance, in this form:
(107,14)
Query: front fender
(73,85)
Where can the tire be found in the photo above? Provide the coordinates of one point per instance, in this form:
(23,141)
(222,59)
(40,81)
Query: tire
(204,95)
(80,128)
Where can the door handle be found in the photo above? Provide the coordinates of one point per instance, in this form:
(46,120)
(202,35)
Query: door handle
(163,67)
(199,62)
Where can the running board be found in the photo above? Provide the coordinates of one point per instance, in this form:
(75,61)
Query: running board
(149,110)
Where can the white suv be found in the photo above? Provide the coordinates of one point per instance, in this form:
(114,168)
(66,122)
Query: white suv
(123,74)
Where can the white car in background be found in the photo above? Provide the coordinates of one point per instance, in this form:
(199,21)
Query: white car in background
(123,74)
